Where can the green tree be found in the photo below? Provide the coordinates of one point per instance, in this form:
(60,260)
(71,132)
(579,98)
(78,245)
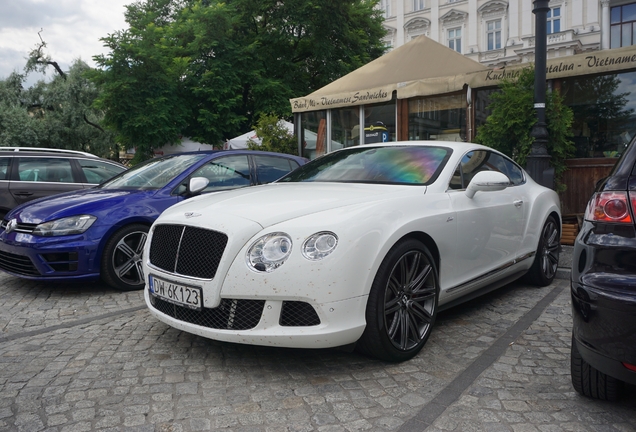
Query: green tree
(54,114)
(508,127)
(208,69)
(274,135)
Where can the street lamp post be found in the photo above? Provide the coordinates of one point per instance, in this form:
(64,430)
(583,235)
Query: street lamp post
(538,161)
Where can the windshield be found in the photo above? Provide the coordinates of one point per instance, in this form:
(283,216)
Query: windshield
(153,174)
(411,165)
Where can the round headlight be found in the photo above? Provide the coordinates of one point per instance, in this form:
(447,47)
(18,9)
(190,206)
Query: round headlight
(319,245)
(269,252)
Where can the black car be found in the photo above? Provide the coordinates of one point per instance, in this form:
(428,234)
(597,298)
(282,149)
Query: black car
(604,286)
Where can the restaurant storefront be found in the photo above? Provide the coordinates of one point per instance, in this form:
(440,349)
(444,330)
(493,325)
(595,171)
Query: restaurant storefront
(599,86)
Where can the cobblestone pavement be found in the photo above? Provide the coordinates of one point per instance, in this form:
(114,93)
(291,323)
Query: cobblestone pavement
(82,358)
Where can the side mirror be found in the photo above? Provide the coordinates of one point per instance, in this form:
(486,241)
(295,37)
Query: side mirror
(196,185)
(487,181)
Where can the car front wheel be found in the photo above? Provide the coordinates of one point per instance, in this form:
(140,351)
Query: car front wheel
(588,381)
(121,260)
(402,304)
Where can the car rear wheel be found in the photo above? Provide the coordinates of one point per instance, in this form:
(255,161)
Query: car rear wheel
(402,304)
(121,260)
(590,382)
(546,261)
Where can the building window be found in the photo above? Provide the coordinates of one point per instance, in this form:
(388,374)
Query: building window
(623,25)
(554,20)
(494,35)
(385,5)
(418,5)
(455,39)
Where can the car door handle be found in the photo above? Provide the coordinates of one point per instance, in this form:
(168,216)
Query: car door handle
(518,203)
(24,194)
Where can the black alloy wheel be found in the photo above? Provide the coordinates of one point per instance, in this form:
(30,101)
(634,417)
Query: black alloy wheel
(546,261)
(122,258)
(402,304)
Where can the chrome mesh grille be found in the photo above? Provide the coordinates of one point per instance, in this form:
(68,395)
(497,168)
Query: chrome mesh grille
(229,315)
(186,250)
(298,314)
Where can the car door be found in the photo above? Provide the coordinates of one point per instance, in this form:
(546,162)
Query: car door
(489,225)
(40,176)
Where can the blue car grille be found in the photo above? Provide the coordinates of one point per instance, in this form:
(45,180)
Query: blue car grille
(229,315)
(17,264)
(187,250)
(20,227)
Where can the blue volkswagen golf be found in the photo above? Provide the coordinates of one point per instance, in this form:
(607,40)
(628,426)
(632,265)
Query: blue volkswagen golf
(98,233)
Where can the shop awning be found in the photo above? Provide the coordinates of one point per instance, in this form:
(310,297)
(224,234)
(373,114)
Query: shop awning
(420,59)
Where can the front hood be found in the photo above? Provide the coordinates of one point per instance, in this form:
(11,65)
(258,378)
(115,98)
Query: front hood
(278,202)
(83,201)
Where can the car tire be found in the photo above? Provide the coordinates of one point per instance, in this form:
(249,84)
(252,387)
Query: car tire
(403,297)
(588,381)
(121,260)
(546,261)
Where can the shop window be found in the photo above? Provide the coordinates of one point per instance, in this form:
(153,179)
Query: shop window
(313,133)
(623,25)
(345,127)
(438,118)
(603,108)
(379,122)
(455,39)
(493,35)
(554,20)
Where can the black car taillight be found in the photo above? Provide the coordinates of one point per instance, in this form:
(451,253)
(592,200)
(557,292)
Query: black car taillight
(614,207)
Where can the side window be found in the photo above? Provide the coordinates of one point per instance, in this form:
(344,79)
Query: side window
(42,169)
(481,160)
(97,171)
(4,168)
(271,168)
(228,172)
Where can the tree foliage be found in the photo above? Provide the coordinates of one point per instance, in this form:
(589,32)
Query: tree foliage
(208,69)
(55,114)
(274,135)
(512,117)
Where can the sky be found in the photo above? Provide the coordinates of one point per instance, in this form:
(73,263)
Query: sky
(70,28)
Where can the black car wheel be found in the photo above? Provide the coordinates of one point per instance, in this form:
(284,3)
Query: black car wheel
(546,261)
(402,303)
(590,382)
(121,260)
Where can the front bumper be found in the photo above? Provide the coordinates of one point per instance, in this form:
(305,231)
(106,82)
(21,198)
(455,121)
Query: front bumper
(51,258)
(340,323)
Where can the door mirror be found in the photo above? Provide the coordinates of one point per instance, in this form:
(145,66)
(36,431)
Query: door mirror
(196,185)
(487,181)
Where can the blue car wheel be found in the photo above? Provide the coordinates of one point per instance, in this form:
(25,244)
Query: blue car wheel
(121,261)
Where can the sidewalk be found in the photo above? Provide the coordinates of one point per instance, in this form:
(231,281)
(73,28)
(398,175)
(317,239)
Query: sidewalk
(565,262)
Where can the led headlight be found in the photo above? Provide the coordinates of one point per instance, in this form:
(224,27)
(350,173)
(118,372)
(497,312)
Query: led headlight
(269,252)
(319,245)
(65,226)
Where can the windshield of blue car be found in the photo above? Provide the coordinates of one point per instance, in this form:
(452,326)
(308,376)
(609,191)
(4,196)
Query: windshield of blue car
(405,165)
(152,174)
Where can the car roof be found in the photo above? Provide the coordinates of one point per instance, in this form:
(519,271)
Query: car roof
(40,150)
(249,152)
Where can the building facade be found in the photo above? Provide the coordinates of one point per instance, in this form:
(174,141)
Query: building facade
(496,33)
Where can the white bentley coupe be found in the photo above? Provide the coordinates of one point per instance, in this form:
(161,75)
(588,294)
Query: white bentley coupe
(361,246)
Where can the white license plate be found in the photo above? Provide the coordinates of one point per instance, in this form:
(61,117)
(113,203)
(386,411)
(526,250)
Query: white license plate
(188,296)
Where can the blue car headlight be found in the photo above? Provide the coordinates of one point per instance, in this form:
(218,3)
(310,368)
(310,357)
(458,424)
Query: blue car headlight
(269,252)
(65,226)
